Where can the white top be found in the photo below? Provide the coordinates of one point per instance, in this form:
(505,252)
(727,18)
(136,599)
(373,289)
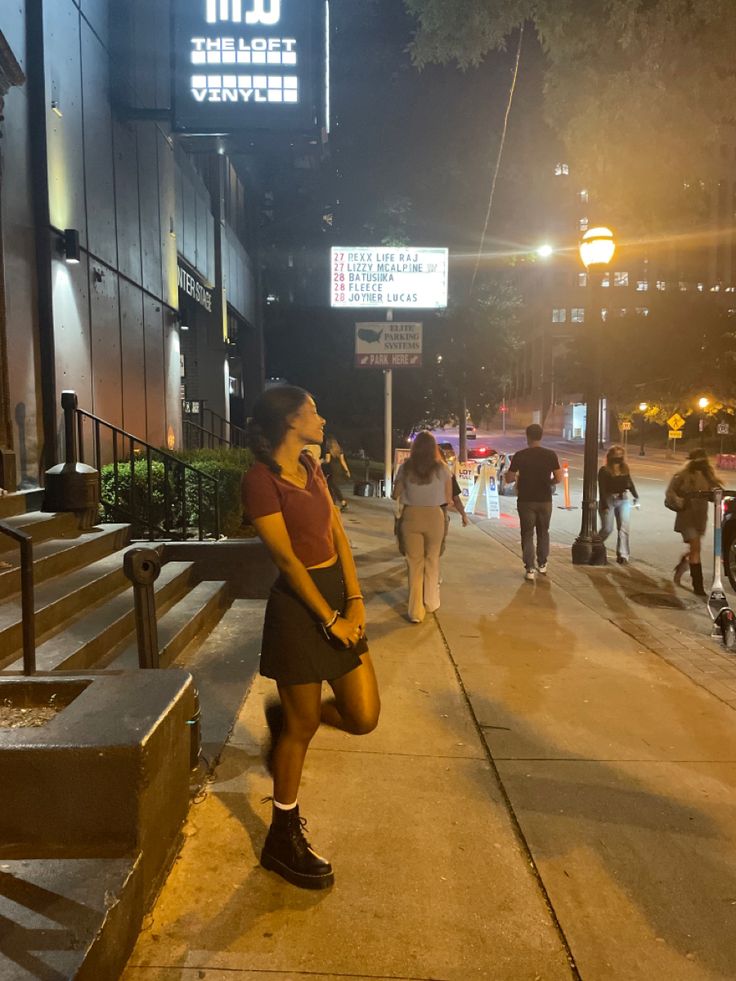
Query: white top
(428,495)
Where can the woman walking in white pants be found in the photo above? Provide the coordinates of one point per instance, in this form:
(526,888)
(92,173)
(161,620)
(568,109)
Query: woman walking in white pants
(424,488)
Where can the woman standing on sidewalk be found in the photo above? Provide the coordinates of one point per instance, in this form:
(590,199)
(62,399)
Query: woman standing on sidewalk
(314,629)
(614,486)
(334,465)
(692,513)
(424,488)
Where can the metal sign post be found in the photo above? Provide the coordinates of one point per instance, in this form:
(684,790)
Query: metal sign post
(388,345)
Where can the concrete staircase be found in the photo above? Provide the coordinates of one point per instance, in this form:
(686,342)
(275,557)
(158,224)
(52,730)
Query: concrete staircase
(84,613)
(85,621)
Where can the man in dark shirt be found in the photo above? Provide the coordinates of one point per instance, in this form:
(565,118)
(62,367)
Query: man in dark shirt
(536,469)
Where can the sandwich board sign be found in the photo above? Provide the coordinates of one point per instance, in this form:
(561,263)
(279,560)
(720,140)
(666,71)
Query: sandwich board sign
(465,474)
(484,499)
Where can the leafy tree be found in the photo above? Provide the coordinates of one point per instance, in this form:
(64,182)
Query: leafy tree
(472,354)
(684,350)
(640,90)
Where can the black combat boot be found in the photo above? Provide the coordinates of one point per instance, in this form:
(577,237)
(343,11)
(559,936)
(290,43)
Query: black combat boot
(287,852)
(696,574)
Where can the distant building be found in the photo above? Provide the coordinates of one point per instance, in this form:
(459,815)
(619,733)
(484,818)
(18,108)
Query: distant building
(556,298)
(129,255)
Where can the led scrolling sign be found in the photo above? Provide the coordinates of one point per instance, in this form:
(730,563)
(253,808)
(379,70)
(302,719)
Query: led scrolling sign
(249,64)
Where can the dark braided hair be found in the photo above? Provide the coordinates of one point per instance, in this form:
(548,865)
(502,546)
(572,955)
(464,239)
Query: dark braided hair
(269,423)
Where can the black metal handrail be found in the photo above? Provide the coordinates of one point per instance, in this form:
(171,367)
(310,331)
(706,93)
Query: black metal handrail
(176,501)
(236,435)
(27,588)
(196,437)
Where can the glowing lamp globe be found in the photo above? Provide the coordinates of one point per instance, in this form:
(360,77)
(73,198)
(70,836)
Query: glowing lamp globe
(703,403)
(597,247)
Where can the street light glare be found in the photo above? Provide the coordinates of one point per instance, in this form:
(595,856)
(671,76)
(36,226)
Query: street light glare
(597,247)
(545,251)
(643,406)
(703,403)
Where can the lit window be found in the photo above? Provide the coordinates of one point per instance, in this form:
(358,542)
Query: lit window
(583,223)
(620,279)
(606,279)
(584,197)
(682,286)
(622,311)
(732,312)
(561,169)
(642,311)
(701,287)
(559,315)
(642,285)
(577,315)
(661,285)
(582,279)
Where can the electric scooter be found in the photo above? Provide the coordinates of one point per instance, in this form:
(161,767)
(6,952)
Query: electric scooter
(723,617)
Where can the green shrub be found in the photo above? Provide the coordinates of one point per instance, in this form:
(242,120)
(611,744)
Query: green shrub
(225,466)
(155,513)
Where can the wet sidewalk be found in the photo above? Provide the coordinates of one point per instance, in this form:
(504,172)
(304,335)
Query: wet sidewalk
(545,797)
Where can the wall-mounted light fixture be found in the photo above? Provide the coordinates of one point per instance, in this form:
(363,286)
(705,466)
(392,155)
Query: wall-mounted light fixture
(72,251)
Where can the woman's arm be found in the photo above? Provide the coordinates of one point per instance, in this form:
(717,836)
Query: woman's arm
(355,610)
(398,484)
(271,529)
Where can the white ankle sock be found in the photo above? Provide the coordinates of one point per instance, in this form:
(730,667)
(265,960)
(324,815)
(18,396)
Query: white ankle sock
(285,807)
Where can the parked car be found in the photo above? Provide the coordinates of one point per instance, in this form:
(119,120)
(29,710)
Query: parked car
(729,539)
(480,452)
(470,431)
(502,465)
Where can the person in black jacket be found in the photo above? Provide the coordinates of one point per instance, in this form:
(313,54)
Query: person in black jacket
(614,503)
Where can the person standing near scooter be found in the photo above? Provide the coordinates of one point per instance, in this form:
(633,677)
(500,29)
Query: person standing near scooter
(697,477)
(614,487)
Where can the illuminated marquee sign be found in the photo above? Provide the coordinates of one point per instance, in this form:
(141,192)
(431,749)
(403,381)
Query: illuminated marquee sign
(389,277)
(250,64)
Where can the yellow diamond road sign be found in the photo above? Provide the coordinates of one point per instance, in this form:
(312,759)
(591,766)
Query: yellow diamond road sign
(676,421)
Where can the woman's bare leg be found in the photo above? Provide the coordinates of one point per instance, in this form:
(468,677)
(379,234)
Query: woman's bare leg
(357,704)
(301,705)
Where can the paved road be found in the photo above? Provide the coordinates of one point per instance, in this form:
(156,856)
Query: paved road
(653,540)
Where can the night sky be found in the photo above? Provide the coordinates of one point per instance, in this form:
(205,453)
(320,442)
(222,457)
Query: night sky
(411,157)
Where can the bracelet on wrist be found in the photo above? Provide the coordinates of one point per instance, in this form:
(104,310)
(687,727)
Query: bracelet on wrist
(327,627)
(355,596)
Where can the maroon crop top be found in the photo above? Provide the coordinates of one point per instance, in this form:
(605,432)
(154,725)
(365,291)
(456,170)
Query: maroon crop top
(307,510)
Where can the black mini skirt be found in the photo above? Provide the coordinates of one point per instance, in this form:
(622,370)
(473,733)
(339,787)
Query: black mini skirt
(294,649)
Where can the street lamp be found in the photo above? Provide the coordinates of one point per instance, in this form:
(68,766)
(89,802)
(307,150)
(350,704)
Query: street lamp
(703,404)
(643,406)
(597,248)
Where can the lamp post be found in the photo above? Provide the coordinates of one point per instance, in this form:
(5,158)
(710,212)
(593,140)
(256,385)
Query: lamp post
(596,251)
(643,406)
(703,404)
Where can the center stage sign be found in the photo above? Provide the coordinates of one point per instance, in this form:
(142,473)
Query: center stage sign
(386,277)
(388,344)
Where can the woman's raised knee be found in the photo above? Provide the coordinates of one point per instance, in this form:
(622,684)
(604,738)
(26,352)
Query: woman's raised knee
(361,723)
